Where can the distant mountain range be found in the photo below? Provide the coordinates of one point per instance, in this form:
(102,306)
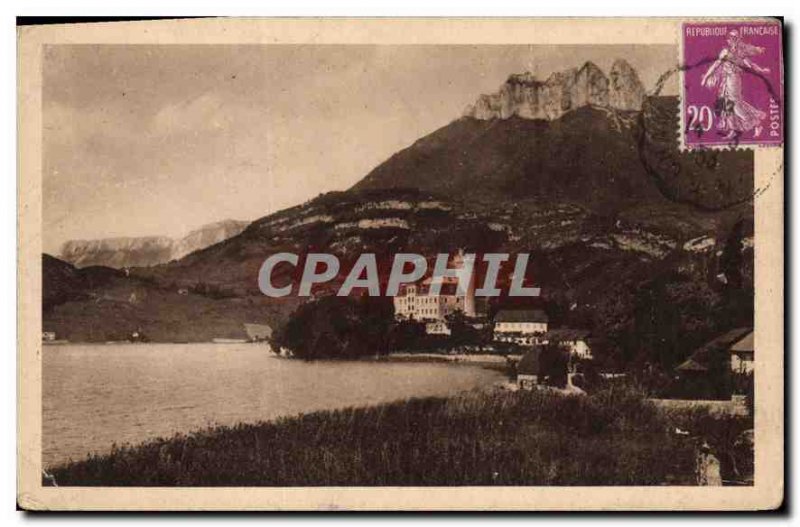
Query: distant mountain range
(582,170)
(146,250)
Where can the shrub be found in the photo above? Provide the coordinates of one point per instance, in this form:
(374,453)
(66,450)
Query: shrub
(614,437)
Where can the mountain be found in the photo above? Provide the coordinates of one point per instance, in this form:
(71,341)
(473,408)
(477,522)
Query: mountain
(525,96)
(598,157)
(599,271)
(100,304)
(207,235)
(149,250)
(118,252)
(590,266)
(61,282)
(625,90)
(619,221)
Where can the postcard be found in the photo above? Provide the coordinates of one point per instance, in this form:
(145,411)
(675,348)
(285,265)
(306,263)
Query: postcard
(401,265)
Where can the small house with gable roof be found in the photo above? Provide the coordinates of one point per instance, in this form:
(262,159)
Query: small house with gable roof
(529,369)
(743,354)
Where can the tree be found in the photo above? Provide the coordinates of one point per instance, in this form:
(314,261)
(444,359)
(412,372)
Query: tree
(731,260)
(743,384)
(406,335)
(750,394)
(588,375)
(462,333)
(335,327)
(468,332)
(554,364)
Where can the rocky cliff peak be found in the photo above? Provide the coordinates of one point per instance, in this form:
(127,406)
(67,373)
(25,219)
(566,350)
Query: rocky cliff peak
(626,91)
(525,96)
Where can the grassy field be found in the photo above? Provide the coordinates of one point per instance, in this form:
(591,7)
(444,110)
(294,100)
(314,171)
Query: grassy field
(499,438)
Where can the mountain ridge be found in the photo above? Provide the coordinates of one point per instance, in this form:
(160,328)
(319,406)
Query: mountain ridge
(137,251)
(603,158)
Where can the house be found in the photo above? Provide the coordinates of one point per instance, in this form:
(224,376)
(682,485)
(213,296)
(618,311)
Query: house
(706,373)
(709,356)
(521,326)
(529,369)
(742,354)
(258,332)
(576,340)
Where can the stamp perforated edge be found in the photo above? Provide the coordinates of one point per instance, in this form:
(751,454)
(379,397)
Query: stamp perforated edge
(682,146)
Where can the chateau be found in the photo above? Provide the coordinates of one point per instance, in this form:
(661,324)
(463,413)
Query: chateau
(414,301)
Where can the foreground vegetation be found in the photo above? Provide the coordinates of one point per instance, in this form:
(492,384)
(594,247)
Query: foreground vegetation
(500,438)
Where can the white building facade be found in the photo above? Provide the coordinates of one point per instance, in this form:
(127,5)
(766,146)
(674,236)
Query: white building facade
(416,302)
(743,355)
(575,340)
(521,326)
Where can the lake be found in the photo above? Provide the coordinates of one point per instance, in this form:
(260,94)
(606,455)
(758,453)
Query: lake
(97,395)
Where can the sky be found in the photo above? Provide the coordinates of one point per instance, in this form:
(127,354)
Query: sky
(144,140)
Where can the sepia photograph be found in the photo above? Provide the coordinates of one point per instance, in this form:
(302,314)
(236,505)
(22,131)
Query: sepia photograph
(450,264)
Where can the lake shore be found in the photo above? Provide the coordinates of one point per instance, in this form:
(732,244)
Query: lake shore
(492,437)
(96,395)
(446,356)
(501,363)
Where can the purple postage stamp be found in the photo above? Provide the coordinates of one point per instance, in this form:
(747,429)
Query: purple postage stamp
(732,84)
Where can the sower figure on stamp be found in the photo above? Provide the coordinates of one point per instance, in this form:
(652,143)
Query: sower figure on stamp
(725,74)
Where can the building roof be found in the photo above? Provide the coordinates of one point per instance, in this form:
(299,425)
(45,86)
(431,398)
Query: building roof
(727,339)
(691,365)
(744,345)
(521,315)
(530,364)
(701,358)
(448,289)
(567,334)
